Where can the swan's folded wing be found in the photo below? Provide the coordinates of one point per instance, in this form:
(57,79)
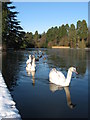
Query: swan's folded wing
(61,76)
(28,61)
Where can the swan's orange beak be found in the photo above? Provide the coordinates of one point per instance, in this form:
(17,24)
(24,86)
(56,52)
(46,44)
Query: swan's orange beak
(76,72)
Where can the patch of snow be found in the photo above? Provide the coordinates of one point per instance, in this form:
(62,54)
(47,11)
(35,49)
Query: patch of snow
(7,105)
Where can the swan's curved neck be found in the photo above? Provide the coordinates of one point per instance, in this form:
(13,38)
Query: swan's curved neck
(69,75)
(33,61)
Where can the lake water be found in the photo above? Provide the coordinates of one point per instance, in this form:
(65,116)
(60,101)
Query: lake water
(35,96)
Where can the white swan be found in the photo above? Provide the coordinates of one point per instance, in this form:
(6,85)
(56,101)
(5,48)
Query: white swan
(31,67)
(29,60)
(58,78)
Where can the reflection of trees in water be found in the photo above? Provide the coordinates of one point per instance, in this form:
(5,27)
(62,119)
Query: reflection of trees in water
(64,58)
(60,58)
(11,66)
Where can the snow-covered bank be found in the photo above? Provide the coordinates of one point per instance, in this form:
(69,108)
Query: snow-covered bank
(7,105)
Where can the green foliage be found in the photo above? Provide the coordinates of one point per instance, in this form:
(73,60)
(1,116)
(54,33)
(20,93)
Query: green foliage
(63,36)
(88,40)
(82,33)
(72,36)
(29,40)
(36,37)
(12,34)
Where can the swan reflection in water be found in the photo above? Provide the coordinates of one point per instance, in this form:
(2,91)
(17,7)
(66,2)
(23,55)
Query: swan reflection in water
(54,87)
(32,73)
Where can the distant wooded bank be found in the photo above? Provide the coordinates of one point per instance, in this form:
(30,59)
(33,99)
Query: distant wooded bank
(13,35)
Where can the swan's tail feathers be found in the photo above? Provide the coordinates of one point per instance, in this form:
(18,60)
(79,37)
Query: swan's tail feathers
(51,74)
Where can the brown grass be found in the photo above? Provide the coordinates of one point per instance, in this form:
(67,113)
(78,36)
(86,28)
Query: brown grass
(60,47)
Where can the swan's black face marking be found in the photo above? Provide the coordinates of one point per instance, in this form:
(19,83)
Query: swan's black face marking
(74,70)
(72,105)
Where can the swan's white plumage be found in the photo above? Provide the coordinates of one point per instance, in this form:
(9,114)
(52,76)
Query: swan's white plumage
(29,60)
(31,67)
(58,78)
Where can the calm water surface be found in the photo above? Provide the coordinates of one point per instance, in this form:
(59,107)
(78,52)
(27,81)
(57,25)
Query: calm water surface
(35,96)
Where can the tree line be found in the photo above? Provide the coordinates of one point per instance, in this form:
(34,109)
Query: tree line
(64,35)
(13,35)
(12,32)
